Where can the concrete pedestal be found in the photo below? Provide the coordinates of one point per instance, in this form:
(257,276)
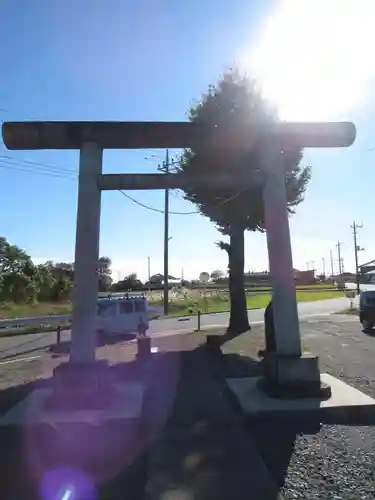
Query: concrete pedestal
(293,377)
(346,406)
(36,408)
(82,386)
(80,393)
(81,375)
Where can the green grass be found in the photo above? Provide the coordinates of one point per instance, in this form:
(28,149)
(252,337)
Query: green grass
(220,304)
(322,295)
(315,286)
(10,310)
(216,303)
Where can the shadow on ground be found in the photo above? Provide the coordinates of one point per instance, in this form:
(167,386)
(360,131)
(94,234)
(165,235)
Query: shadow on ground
(193,441)
(113,456)
(64,346)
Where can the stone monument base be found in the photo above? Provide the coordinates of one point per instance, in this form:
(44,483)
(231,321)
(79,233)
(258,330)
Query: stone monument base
(293,377)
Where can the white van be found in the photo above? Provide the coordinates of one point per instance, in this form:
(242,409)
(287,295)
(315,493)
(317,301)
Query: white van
(124,314)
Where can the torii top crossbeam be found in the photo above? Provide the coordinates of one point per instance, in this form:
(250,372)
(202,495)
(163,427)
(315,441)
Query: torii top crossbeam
(150,135)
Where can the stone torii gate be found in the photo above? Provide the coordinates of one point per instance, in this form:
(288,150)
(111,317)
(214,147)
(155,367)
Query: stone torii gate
(288,368)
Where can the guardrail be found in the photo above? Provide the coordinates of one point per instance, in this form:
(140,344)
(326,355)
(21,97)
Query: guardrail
(38,320)
(154,313)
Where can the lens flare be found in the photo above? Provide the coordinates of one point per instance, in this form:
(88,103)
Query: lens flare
(312,57)
(67,484)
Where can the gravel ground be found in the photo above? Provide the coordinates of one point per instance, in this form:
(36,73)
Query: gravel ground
(338,462)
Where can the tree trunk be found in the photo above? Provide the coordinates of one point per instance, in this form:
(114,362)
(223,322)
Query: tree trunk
(239,321)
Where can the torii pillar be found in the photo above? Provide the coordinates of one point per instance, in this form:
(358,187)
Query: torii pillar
(287,369)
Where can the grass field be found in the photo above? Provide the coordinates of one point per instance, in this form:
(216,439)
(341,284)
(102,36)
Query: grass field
(182,305)
(220,303)
(10,310)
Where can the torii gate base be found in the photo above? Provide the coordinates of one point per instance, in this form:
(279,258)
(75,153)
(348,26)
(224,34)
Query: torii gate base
(288,373)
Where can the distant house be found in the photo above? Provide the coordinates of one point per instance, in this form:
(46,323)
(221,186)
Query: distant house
(367,272)
(304,277)
(257,278)
(367,267)
(264,278)
(158,280)
(348,276)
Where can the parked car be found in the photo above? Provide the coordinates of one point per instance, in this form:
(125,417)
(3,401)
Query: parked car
(367,309)
(119,315)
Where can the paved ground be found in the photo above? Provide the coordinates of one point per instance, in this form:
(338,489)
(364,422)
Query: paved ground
(337,463)
(33,346)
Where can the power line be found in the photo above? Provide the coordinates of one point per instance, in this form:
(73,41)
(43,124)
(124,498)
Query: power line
(28,166)
(153,209)
(23,168)
(36,163)
(223,202)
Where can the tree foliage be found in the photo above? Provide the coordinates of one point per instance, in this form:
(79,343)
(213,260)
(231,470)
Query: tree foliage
(130,282)
(236,101)
(104,272)
(22,281)
(217,274)
(236,104)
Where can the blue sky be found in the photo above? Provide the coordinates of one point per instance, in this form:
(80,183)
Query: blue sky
(148,60)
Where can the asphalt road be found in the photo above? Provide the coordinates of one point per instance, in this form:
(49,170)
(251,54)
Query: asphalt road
(29,347)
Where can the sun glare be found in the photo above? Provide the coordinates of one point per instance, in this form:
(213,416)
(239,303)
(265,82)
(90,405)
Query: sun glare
(313,58)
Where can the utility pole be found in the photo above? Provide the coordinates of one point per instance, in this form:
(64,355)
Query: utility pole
(357,249)
(149,273)
(324,266)
(166,238)
(339,256)
(331,258)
